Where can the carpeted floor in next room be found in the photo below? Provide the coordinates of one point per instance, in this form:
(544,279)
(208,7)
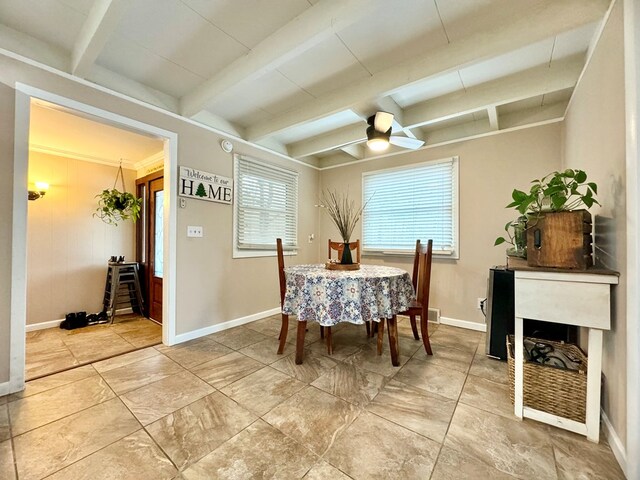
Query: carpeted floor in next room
(54,350)
(226,406)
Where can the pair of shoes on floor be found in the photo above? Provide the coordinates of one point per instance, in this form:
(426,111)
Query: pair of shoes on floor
(97,318)
(74,320)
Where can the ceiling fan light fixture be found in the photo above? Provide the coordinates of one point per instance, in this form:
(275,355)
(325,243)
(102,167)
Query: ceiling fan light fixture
(377,141)
(378,144)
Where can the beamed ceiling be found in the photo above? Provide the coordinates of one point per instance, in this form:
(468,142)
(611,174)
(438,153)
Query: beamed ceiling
(302,76)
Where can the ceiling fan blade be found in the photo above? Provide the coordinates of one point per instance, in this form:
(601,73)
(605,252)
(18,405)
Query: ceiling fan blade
(406,142)
(383,121)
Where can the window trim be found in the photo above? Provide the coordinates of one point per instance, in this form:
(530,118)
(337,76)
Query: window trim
(256,252)
(453,255)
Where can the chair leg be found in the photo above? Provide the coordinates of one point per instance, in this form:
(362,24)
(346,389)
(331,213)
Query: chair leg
(329,342)
(368,324)
(283,333)
(302,330)
(392,331)
(321,332)
(380,335)
(424,328)
(414,327)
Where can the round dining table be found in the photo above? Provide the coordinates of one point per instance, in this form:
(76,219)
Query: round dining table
(369,294)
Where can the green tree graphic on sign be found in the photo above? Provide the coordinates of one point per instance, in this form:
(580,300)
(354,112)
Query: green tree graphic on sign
(200,192)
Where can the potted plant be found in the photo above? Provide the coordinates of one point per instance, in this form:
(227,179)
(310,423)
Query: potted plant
(345,215)
(558,232)
(115,206)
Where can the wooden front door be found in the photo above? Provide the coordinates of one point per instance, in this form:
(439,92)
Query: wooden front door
(150,242)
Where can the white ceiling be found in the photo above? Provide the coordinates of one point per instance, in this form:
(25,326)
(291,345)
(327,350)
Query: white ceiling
(303,75)
(54,130)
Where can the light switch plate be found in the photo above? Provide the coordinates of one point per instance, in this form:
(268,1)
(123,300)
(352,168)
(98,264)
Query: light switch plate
(195,231)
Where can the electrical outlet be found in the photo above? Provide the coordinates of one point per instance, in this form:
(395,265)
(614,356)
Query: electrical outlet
(311,237)
(195,231)
(480,303)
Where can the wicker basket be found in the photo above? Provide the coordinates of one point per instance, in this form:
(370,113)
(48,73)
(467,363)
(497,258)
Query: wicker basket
(550,389)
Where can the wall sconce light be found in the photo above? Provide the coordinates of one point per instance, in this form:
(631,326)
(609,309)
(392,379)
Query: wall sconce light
(39,191)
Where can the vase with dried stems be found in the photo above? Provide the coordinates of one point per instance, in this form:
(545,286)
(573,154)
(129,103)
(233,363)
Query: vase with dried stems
(344,214)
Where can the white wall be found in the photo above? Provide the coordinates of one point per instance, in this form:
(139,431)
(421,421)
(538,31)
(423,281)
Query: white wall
(490,168)
(594,141)
(68,248)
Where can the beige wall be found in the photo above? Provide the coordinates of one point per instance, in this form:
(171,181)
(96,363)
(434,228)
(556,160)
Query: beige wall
(212,287)
(490,168)
(594,140)
(68,248)
(7,102)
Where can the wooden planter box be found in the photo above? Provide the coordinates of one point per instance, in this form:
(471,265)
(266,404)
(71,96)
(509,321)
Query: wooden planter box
(560,240)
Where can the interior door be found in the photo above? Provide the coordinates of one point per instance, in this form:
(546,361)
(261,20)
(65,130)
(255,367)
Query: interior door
(150,242)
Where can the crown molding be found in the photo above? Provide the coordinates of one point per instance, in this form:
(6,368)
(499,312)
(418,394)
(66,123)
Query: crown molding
(150,160)
(59,152)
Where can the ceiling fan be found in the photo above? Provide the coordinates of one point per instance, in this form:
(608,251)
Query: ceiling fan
(379,134)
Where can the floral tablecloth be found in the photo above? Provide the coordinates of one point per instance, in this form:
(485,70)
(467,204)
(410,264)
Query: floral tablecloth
(330,296)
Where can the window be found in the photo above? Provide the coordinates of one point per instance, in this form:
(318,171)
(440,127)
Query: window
(410,203)
(266,207)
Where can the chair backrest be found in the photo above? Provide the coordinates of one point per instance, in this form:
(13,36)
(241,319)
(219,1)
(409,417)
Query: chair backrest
(416,264)
(283,281)
(339,246)
(424,282)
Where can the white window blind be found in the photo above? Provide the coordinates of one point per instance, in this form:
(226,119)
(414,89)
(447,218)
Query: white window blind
(410,203)
(266,205)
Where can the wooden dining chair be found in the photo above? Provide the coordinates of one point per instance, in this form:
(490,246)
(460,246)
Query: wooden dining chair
(420,306)
(414,282)
(283,290)
(284,328)
(372,330)
(339,247)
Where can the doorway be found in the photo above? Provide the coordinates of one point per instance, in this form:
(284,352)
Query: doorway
(150,242)
(24,96)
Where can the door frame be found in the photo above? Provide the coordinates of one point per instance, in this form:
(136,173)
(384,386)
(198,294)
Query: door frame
(24,94)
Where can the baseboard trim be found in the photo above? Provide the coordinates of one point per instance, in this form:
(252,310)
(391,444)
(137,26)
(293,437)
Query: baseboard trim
(56,323)
(43,325)
(454,322)
(218,327)
(5,388)
(617,447)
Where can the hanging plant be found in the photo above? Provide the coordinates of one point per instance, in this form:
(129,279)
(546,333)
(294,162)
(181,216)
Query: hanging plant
(115,206)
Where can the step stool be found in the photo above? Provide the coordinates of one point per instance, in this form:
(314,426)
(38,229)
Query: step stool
(122,288)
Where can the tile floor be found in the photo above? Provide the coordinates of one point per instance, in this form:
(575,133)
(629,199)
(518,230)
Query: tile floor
(53,350)
(226,406)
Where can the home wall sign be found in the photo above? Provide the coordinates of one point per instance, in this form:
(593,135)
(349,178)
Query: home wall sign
(205,186)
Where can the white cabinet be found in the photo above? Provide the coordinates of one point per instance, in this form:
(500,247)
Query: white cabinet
(572,298)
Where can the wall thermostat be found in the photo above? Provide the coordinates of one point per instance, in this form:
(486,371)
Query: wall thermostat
(227,146)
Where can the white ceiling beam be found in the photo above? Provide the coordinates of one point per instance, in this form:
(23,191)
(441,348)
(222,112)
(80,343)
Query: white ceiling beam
(219,123)
(102,20)
(305,31)
(119,83)
(492,111)
(355,150)
(354,133)
(546,19)
(529,83)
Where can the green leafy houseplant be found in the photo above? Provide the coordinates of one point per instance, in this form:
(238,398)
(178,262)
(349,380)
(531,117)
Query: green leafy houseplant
(557,192)
(115,206)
